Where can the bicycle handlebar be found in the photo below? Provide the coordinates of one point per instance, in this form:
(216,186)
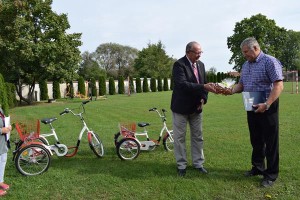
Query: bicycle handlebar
(85,102)
(152,109)
(67,110)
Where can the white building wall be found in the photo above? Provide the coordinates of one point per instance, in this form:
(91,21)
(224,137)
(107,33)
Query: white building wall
(63,87)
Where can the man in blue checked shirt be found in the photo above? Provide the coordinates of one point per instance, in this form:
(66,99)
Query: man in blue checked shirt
(262,73)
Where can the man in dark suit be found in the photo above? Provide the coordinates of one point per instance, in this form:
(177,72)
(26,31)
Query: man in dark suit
(189,95)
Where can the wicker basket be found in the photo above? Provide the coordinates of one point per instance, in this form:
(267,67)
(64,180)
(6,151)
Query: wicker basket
(28,131)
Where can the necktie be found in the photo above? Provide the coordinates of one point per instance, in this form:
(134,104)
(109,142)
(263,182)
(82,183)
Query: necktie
(196,72)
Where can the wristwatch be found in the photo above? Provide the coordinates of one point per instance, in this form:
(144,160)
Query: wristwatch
(267,105)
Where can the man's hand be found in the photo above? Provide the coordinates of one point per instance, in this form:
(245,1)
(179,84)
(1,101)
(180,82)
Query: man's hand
(221,90)
(210,87)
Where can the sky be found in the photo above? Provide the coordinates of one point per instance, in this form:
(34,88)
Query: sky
(136,23)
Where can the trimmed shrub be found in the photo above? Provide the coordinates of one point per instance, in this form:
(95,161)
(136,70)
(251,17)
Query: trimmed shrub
(81,86)
(11,95)
(3,96)
(145,85)
(153,85)
(111,86)
(102,86)
(166,84)
(159,84)
(43,90)
(56,90)
(138,85)
(121,87)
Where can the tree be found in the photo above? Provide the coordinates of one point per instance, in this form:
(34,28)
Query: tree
(36,46)
(11,95)
(145,85)
(153,85)
(89,68)
(81,85)
(56,89)
(102,86)
(43,90)
(153,61)
(166,84)
(270,37)
(291,56)
(121,87)
(138,85)
(115,59)
(159,84)
(111,86)
(3,96)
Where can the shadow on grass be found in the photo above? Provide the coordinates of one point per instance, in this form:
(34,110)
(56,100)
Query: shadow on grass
(147,165)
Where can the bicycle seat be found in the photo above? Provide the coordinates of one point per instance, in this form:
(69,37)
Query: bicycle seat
(48,120)
(143,124)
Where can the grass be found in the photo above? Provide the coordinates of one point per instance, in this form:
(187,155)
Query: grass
(153,174)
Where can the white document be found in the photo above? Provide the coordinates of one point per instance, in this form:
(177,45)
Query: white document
(7,123)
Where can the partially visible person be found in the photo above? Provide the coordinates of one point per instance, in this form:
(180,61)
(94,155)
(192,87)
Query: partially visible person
(262,73)
(190,93)
(3,152)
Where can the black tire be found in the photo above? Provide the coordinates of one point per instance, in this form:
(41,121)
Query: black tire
(116,138)
(33,159)
(128,149)
(169,142)
(96,145)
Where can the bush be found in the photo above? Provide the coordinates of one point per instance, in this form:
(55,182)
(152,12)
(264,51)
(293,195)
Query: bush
(166,84)
(138,85)
(102,86)
(159,84)
(3,96)
(145,85)
(81,86)
(56,90)
(111,87)
(43,90)
(11,95)
(121,88)
(153,85)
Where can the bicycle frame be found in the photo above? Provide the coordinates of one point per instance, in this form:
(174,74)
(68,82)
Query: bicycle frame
(149,144)
(92,137)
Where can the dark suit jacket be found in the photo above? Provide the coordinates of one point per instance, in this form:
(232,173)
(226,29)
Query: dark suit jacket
(187,93)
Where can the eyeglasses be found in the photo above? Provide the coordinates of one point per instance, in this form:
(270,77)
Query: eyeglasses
(197,53)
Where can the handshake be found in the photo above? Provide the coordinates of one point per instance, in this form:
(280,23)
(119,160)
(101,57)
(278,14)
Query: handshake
(224,88)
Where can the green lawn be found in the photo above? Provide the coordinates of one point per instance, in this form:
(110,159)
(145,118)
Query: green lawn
(153,174)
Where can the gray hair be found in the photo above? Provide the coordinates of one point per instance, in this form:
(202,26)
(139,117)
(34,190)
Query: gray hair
(190,46)
(250,42)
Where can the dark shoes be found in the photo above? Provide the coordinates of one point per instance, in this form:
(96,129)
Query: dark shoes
(202,170)
(181,172)
(252,172)
(267,183)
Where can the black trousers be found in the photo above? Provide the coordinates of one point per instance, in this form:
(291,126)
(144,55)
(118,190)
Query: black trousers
(264,137)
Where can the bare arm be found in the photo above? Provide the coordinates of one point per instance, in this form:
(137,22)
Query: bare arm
(275,93)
